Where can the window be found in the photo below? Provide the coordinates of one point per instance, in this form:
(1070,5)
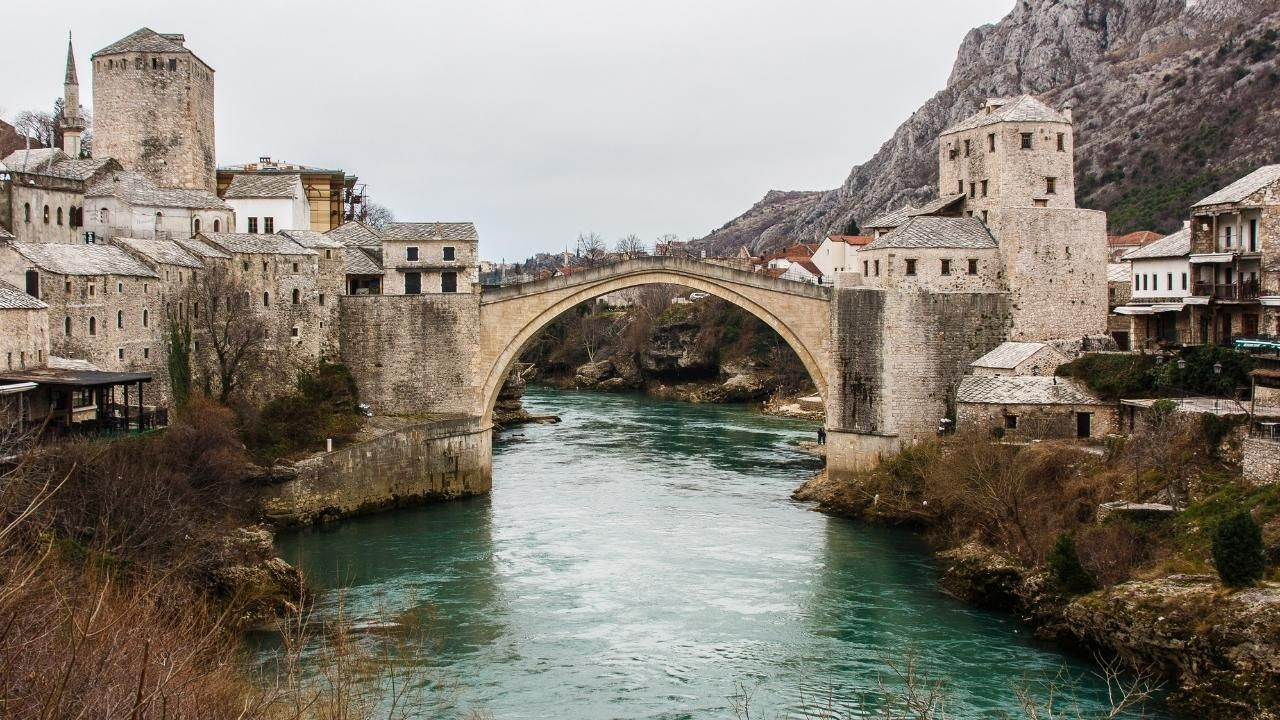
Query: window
(953,153)
(253,224)
(1062,142)
(120,287)
(120,353)
(264,266)
(1026,141)
(33,283)
(984,188)
(328,254)
(66,327)
(195,227)
(973,266)
(146,318)
(946,267)
(26,212)
(1184,281)
(448,253)
(322,298)
(293,331)
(877,266)
(973,190)
(155,63)
(295,267)
(991,142)
(1228,230)
(1169,281)
(216,225)
(1144,281)
(146,353)
(245,265)
(268,225)
(1136,282)
(46,214)
(159,220)
(959,187)
(92,290)
(120,318)
(411,253)
(1011,422)
(1040,202)
(297,296)
(911,266)
(1050,185)
(67,286)
(266,299)
(449,282)
(984,216)
(412,283)
(173,64)
(966,148)
(195,310)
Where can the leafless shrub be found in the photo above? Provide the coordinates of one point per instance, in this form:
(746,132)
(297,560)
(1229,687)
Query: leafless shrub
(1112,552)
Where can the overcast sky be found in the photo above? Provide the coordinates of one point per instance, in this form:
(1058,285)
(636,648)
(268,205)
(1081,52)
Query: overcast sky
(540,120)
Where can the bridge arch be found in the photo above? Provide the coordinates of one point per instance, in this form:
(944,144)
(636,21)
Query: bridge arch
(511,317)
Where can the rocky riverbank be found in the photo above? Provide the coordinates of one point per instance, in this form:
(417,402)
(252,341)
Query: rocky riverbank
(1216,651)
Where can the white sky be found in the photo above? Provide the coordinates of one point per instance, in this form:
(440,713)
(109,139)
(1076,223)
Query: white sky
(540,120)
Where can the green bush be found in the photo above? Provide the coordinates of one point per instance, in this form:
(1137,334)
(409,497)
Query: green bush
(1238,552)
(1065,570)
(1114,376)
(324,407)
(1198,375)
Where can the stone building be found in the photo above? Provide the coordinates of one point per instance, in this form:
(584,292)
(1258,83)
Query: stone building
(935,254)
(1157,312)
(1235,249)
(430,258)
(1019,358)
(268,203)
(24,329)
(1033,408)
(153,110)
(42,194)
(129,204)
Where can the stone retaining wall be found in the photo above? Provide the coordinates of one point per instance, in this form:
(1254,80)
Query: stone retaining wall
(1261,461)
(437,460)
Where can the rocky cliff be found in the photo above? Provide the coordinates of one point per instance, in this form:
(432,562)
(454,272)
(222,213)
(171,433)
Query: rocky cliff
(1171,98)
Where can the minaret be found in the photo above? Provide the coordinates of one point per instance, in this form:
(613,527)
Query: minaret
(71,124)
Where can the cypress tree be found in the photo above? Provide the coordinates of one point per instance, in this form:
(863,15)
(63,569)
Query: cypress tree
(1238,552)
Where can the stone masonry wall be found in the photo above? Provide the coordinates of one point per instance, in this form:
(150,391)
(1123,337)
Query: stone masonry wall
(1261,461)
(1056,270)
(412,353)
(437,460)
(1036,421)
(24,338)
(155,120)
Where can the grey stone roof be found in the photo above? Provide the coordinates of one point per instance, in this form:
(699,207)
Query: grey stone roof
(1175,245)
(890,219)
(83,259)
(429,232)
(11,298)
(1119,272)
(363,261)
(929,231)
(1008,355)
(1023,108)
(1024,390)
(5,234)
(256,244)
(353,233)
(138,191)
(199,248)
(55,163)
(311,239)
(1244,187)
(165,252)
(264,186)
(145,40)
(938,205)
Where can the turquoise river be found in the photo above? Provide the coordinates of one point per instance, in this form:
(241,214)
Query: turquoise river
(642,559)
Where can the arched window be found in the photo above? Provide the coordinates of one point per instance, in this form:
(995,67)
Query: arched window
(93,326)
(59,216)
(146,317)
(120,318)
(26,212)
(266,299)
(159,218)
(195,227)
(297,296)
(217,226)
(104,216)
(46,214)
(66,327)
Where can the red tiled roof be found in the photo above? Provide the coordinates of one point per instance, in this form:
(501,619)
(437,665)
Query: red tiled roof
(808,265)
(775,272)
(850,239)
(1136,239)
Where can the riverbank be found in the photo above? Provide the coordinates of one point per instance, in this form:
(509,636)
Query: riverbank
(995,514)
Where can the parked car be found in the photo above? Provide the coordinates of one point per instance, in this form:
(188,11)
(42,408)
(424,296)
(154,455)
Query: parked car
(698,295)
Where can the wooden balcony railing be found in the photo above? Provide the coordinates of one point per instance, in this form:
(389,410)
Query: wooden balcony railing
(1247,290)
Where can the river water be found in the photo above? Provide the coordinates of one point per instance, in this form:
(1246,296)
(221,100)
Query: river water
(642,560)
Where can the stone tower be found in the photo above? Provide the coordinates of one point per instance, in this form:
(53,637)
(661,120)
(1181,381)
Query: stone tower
(71,123)
(153,105)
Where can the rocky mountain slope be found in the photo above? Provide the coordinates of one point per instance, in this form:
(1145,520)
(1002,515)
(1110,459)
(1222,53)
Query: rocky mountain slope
(1172,99)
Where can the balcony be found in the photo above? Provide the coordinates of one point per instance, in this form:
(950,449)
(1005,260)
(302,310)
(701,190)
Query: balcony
(1247,290)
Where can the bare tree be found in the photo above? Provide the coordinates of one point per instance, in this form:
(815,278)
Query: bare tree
(221,314)
(631,246)
(667,244)
(378,216)
(591,249)
(38,125)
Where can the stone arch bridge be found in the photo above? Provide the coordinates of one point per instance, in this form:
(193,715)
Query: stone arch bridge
(510,317)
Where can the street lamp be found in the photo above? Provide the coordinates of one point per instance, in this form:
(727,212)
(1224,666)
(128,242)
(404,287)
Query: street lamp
(1217,371)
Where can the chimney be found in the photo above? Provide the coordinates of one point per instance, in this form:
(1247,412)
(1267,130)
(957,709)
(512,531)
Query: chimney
(1066,112)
